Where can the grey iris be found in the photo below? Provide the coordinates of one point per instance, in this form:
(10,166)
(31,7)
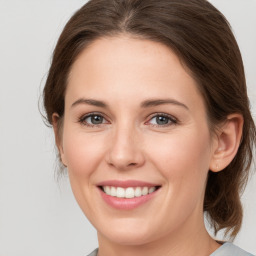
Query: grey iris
(96,119)
(162,120)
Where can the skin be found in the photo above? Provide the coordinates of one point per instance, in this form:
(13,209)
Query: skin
(123,72)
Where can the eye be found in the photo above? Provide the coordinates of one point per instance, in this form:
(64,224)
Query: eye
(162,120)
(93,119)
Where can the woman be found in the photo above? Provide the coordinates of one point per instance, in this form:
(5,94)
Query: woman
(151,118)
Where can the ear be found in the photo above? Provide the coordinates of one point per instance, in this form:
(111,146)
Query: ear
(228,142)
(57,124)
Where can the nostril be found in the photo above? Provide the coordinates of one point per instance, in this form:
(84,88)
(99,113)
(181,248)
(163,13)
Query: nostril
(131,164)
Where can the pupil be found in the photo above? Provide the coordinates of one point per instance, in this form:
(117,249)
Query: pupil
(162,120)
(96,119)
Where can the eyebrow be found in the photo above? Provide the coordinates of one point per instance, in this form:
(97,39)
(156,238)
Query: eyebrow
(96,103)
(144,104)
(157,102)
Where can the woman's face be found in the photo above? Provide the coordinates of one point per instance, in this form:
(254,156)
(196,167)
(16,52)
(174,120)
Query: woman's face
(135,126)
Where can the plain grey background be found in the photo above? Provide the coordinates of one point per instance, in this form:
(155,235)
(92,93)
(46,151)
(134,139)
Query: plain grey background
(39,216)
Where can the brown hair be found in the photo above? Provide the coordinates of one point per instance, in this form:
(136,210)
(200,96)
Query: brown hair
(202,38)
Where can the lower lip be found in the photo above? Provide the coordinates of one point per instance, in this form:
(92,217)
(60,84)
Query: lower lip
(126,203)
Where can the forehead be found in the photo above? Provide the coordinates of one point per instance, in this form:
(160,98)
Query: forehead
(110,52)
(124,67)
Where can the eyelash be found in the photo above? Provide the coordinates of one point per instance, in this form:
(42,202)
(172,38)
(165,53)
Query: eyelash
(171,120)
(84,117)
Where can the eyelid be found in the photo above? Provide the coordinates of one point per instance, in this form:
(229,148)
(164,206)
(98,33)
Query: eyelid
(174,120)
(82,118)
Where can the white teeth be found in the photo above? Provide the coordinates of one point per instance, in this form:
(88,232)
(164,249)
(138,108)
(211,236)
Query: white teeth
(107,190)
(113,191)
(128,192)
(120,192)
(144,191)
(151,190)
(137,192)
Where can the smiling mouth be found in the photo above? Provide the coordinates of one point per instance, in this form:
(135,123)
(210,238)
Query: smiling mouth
(130,192)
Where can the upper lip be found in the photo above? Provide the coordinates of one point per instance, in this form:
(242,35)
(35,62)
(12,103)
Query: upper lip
(126,183)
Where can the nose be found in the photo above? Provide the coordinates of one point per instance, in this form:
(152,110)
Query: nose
(125,149)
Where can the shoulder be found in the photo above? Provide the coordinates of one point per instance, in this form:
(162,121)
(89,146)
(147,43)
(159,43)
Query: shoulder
(94,253)
(229,249)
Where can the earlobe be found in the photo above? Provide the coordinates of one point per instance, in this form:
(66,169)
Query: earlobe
(228,142)
(57,127)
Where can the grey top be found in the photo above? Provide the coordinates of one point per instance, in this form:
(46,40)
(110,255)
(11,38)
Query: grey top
(227,249)
(94,253)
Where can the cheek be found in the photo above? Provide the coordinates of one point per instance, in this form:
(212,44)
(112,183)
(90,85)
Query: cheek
(82,152)
(183,157)
(183,161)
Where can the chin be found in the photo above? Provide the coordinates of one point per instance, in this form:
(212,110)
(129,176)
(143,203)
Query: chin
(130,238)
(129,234)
